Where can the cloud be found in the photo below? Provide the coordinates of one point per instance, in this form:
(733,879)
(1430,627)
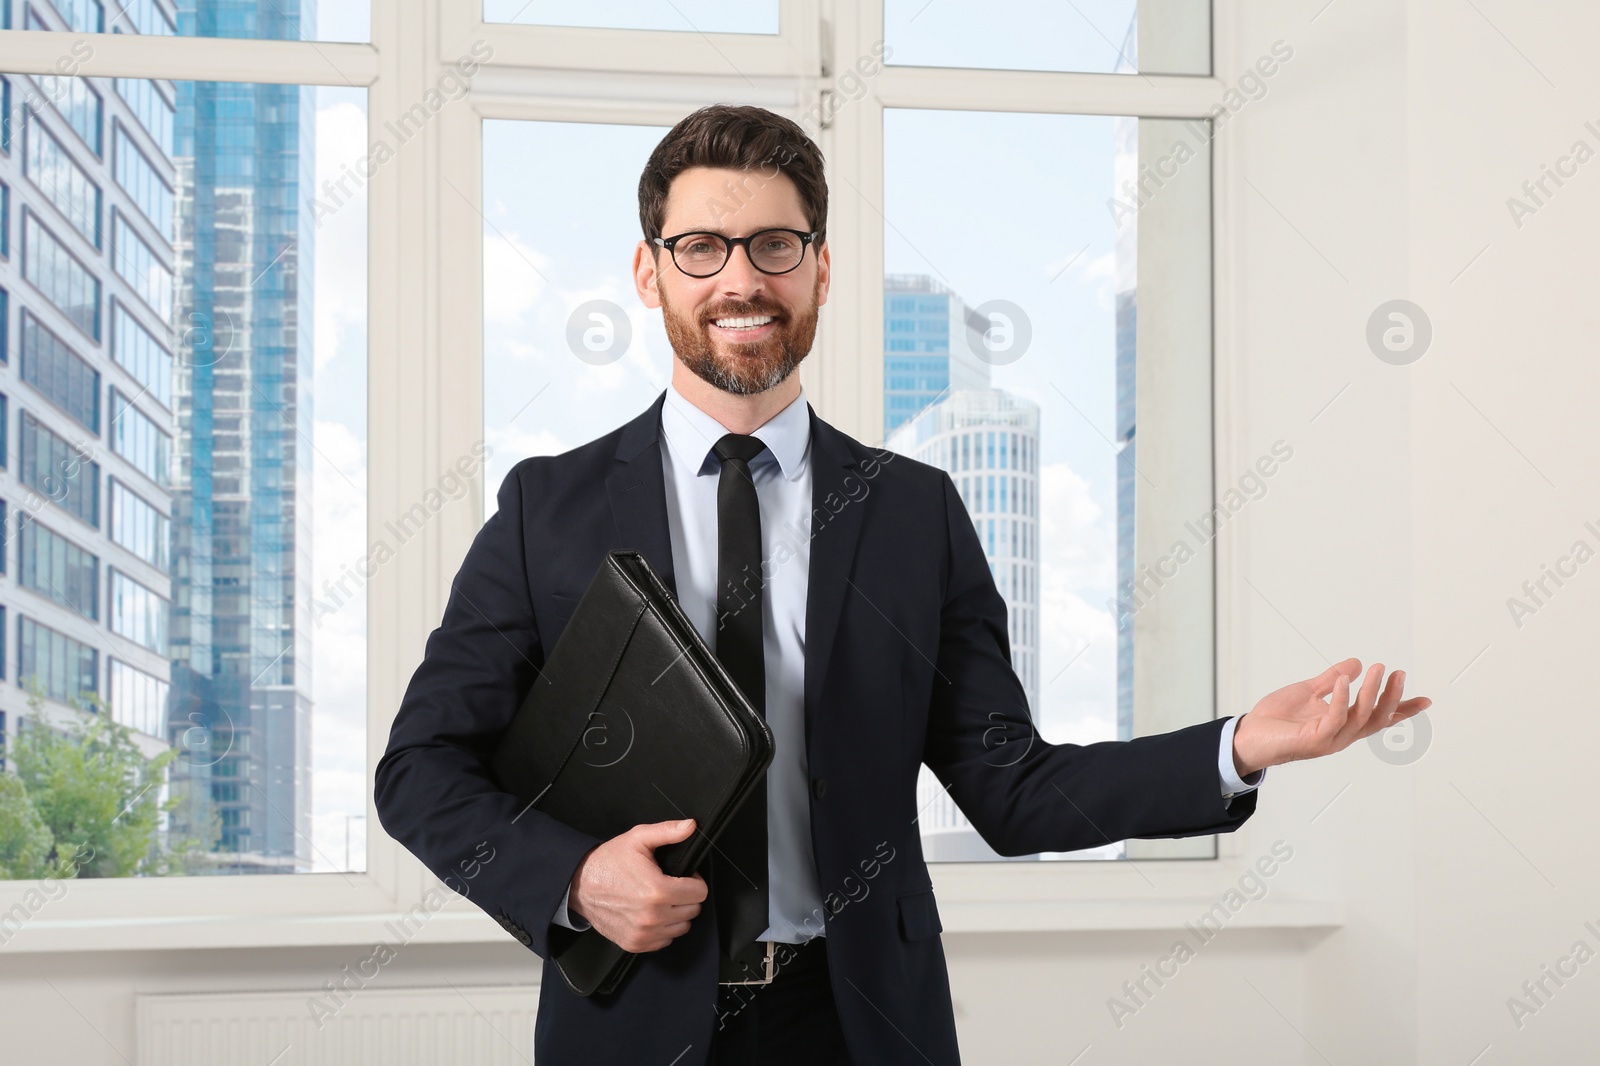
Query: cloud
(340,298)
(338,668)
(515,274)
(1077,541)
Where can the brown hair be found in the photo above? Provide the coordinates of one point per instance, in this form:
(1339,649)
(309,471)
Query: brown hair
(736,138)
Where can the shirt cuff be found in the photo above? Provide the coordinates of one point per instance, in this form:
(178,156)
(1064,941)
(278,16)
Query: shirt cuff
(568,920)
(1232,784)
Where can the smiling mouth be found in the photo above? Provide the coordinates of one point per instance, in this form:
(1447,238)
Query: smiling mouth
(742,323)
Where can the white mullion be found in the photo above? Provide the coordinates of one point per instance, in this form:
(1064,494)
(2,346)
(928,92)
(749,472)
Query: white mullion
(512,92)
(1048,92)
(392,358)
(130,55)
(630,51)
(847,380)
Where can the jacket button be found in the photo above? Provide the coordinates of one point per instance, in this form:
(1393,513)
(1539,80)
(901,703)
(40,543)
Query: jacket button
(819,787)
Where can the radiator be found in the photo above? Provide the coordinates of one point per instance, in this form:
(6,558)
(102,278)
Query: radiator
(490,1025)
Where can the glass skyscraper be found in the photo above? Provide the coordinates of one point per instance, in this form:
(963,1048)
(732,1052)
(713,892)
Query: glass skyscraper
(86,372)
(928,346)
(241,634)
(939,409)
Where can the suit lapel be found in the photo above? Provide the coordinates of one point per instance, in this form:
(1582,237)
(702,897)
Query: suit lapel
(638,496)
(835,529)
(638,492)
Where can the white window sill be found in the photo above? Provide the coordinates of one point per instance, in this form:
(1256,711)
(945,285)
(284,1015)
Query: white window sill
(457,924)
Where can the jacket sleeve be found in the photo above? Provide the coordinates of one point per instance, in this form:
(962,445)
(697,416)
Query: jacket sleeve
(435,792)
(1022,794)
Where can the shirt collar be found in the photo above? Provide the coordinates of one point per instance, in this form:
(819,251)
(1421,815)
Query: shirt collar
(690,434)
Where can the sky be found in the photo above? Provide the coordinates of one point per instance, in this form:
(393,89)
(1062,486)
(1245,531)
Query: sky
(339,773)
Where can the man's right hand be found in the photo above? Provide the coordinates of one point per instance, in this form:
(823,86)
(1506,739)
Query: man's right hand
(619,889)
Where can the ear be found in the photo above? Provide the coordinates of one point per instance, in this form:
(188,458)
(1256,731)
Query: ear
(824,272)
(645,277)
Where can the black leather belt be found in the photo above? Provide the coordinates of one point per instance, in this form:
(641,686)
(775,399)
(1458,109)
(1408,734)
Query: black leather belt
(761,962)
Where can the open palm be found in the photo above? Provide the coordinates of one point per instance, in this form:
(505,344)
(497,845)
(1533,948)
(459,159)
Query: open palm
(1315,717)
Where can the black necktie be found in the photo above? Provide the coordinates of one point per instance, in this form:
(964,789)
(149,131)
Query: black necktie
(740,860)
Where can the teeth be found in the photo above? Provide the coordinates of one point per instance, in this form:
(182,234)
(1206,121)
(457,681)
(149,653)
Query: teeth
(749,322)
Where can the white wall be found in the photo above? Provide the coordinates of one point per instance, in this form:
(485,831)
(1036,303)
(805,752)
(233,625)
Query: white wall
(1420,498)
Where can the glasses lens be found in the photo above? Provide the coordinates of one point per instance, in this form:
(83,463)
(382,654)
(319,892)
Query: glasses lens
(700,253)
(776,250)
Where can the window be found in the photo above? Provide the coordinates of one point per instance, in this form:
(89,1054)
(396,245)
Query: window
(5,220)
(58,569)
(138,700)
(63,182)
(1092,36)
(687,16)
(516,423)
(235,449)
(138,613)
(144,16)
(138,526)
(138,352)
(137,438)
(60,374)
(66,670)
(151,107)
(1008,352)
(6,117)
(270,446)
(137,264)
(84,16)
(139,178)
(60,276)
(76,101)
(5,332)
(1017,283)
(60,471)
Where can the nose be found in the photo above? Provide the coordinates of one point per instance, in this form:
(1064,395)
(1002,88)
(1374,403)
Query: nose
(739,277)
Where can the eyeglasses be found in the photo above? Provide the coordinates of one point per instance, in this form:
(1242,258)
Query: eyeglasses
(771,251)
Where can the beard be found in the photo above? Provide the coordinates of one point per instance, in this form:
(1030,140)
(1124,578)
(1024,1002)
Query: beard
(747,368)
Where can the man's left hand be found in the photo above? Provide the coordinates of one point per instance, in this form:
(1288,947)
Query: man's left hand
(1314,717)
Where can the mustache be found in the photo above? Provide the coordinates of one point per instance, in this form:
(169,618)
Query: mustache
(742,308)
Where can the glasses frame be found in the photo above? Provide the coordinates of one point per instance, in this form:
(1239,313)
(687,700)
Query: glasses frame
(671,244)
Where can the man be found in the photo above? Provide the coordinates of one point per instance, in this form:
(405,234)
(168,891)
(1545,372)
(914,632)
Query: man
(873,642)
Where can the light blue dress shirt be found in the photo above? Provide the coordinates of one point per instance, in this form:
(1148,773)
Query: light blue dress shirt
(782,475)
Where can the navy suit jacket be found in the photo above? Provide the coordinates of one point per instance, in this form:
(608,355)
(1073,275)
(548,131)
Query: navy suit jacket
(907,662)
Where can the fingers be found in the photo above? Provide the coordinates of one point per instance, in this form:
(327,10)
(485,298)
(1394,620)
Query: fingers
(1390,701)
(681,891)
(1412,707)
(657,834)
(1391,709)
(1323,683)
(1338,708)
(655,940)
(1366,702)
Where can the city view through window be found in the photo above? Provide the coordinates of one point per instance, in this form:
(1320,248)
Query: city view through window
(182,463)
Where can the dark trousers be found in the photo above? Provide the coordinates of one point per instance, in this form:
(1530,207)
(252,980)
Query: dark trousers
(790,1022)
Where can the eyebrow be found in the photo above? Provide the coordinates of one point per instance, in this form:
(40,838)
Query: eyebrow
(719,233)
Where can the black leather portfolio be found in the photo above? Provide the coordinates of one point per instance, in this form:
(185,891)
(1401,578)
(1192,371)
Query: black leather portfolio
(631,720)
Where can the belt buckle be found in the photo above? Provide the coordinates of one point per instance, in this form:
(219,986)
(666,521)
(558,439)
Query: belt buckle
(768,967)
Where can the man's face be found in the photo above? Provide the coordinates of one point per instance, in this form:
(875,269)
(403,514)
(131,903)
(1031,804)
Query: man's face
(703,315)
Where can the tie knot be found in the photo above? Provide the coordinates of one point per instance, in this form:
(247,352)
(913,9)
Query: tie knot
(738,446)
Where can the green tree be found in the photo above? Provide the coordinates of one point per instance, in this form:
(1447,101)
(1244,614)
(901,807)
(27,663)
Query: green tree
(25,841)
(94,792)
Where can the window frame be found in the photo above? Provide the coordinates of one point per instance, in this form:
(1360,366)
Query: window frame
(424,207)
